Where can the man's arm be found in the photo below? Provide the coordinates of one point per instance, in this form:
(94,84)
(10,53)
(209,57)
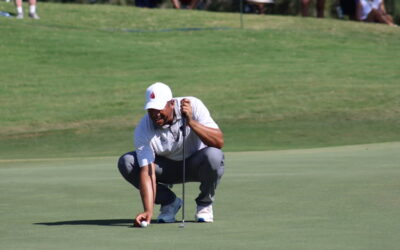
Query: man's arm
(212,137)
(147,192)
(359,8)
(176,4)
(382,7)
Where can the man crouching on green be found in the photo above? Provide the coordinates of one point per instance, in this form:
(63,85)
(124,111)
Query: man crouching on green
(157,161)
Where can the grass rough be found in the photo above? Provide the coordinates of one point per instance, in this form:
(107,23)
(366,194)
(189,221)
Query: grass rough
(72,83)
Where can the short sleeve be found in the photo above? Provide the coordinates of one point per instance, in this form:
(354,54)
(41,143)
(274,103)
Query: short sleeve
(144,151)
(201,114)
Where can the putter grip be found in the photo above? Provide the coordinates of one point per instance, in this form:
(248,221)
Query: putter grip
(183,125)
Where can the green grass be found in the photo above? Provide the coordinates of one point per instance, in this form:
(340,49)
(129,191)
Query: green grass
(72,88)
(72,83)
(331,198)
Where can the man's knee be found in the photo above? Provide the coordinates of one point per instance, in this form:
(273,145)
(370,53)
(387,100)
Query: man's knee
(126,163)
(215,159)
(127,167)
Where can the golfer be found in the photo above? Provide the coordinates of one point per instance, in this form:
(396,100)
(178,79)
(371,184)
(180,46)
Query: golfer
(158,160)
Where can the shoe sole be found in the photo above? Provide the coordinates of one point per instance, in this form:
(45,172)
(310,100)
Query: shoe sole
(202,220)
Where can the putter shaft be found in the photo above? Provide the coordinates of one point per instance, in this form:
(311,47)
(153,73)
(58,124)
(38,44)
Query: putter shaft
(183,171)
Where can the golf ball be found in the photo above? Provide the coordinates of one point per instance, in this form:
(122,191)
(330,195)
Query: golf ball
(143,223)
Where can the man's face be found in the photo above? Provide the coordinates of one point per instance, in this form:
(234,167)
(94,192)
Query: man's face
(164,116)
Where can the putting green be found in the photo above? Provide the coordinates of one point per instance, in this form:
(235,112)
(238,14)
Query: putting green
(326,198)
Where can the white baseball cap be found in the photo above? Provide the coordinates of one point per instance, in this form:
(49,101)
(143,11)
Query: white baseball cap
(157,96)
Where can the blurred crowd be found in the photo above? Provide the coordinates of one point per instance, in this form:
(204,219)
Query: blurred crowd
(20,13)
(364,10)
(357,10)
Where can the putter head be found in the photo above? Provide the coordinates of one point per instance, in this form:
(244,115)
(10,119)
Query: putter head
(182,225)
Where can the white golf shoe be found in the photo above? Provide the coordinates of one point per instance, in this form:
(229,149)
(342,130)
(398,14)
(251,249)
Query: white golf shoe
(34,16)
(204,214)
(168,212)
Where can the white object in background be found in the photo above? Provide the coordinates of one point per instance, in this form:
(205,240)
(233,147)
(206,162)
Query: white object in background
(5,14)
(260,1)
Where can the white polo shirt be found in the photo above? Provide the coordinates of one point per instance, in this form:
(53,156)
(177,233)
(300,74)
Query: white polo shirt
(367,6)
(150,141)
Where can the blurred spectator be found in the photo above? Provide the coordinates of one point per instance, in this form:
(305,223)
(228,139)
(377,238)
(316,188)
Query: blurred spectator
(185,4)
(260,4)
(346,7)
(320,7)
(373,11)
(145,3)
(32,9)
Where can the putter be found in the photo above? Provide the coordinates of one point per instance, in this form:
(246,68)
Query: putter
(182,225)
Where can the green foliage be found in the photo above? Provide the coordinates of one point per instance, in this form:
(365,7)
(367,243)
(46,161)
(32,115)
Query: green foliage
(393,8)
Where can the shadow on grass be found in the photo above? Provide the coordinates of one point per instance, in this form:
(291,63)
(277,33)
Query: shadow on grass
(111,222)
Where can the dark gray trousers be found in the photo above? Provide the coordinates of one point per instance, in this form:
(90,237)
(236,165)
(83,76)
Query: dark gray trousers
(205,166)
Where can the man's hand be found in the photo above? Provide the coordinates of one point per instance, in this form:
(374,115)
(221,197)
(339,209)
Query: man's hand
(147,192)
(186,109)
(212,137)
(145,216)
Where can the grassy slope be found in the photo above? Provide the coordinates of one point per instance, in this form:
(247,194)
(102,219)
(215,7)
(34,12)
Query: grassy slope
(334,198)
(72,83)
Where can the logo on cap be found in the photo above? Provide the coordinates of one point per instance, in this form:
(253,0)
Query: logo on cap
(152,95)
